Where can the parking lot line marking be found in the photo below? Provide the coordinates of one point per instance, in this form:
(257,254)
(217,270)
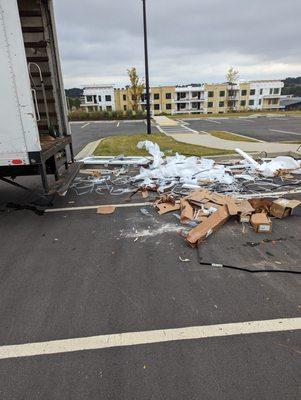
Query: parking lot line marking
(51,210)
(291,133)
(212,120)
(88,123)
(148,337)
(118,124)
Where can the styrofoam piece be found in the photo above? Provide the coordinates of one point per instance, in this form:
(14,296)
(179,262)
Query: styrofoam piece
(248,158)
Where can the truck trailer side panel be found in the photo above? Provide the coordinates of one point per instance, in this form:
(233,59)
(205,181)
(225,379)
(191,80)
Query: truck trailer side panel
(19,132)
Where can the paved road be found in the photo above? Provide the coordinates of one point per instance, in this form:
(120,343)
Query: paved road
(267,129)
(78,274)
(86,132)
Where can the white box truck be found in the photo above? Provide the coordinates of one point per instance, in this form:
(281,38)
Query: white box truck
(34,131)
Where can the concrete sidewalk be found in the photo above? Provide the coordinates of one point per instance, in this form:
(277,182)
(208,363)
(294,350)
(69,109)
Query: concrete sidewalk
(165,121)
(206,140)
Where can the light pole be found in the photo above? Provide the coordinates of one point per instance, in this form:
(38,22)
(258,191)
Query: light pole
(148,109)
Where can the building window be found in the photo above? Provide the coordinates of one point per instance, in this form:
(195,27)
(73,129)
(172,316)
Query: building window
(261,92)
(251,102)
(124,108)
(271,91)
(89,99)
(221,104)
(168,106)
(124,97)
(99,108)
(109,108)
(156,96)
(222,93)
(168,96)
(108,98)
(210,94)
(276,91)
(182,106)
(243,103)
(157,107)
(244,92)
(99,98)
(260,101)
(252,92)
(210,104)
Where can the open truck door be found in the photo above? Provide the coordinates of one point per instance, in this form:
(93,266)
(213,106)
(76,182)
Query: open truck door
(34,130)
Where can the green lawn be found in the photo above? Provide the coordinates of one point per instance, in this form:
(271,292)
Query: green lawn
(127,145)
(234,115)
(229,136)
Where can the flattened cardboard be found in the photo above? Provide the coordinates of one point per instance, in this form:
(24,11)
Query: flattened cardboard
(207,227)
(261,223)
(167,207)
(282,208)
(104,210)
(199,195)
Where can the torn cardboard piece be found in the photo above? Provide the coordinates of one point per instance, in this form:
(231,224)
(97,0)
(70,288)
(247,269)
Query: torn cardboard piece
(207,227)
(167,207)
(261,223)
(187,210)
(104,210)
(283,208)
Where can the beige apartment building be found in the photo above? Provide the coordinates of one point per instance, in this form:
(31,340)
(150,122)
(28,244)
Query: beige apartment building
(217,98)
(161,97)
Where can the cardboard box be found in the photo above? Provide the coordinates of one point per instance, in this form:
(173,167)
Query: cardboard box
(261,223)
(283,208)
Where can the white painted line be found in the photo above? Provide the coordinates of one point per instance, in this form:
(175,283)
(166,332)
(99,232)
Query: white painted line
(291,133)
(212,120)
(88,123)
(268,194)
(280,119)
(189,129)
(118,124)
(52,210)
(148,337)
(247,120)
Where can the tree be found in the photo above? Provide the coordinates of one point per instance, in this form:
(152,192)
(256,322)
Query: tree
(137,87)
(232,75)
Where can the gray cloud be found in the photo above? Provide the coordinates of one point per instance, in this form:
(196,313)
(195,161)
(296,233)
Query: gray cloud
(189,41)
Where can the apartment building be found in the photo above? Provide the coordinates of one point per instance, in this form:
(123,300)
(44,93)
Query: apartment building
(161,98)
(206,98)
(224,97)
(98,98)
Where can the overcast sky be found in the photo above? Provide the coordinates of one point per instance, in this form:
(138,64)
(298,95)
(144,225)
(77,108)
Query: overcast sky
(189,40)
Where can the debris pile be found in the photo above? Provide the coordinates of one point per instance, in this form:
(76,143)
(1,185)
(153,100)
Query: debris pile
(206,193)
(208,211)
(193,172)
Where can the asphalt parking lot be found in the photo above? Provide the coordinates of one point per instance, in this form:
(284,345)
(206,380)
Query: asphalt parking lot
(273,129)
(76,274)
(86,132)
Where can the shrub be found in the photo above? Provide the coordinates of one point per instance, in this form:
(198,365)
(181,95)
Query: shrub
(129,113)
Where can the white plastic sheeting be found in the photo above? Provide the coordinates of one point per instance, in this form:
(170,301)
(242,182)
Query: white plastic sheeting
(272,168)
(189,171)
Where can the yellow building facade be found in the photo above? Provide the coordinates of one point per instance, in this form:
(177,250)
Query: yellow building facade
(161,97)
(206,98)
